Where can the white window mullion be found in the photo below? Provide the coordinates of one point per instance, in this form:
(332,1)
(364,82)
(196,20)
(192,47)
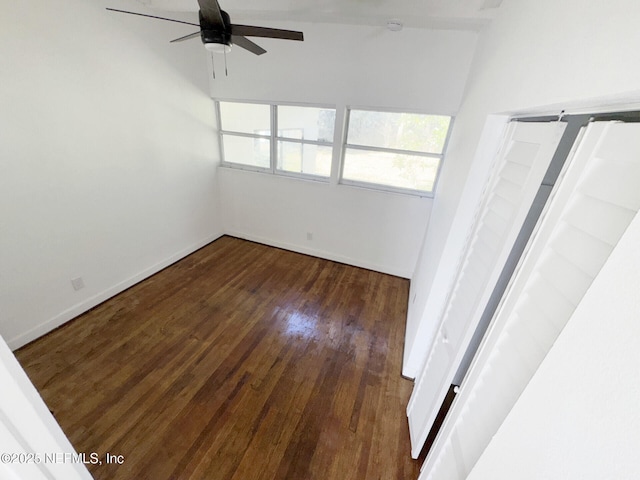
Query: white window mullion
(274,134)
(219,127)
(339,140)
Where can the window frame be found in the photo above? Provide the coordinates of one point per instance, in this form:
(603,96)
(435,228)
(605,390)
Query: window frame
(222,133)
(274,138)
(339,145)
(381,186)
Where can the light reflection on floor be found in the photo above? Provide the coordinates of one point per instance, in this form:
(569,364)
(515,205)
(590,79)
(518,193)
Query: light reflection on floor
(300,325)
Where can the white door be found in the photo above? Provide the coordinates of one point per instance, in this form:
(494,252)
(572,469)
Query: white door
(32,444)
(510,192)
(594,202)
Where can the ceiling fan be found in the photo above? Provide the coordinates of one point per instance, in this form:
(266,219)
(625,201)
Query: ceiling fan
(218,33)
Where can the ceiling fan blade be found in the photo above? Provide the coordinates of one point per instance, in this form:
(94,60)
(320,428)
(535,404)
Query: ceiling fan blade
(251,31)
(247,44)
(186,37)
(211,12)
(153,16)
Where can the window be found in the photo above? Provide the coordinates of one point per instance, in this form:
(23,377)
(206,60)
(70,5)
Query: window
(305,140)
(245,130)
(399,151)
(291,140)
(384,150)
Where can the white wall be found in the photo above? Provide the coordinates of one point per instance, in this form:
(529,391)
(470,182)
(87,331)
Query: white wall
(106,164)
(341,65)
(578,416)
(378,231)
(413,69)
(533,55)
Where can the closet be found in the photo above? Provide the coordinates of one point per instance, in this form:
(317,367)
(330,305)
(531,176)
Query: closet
(530,258)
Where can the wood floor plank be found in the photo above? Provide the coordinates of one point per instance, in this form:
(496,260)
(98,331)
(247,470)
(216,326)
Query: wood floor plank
(239,362)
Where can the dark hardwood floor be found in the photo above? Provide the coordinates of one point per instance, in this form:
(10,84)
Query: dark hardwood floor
(239,362)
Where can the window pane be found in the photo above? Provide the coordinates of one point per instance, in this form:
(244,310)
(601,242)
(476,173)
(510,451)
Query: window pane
(245,117)
(246,150)
(306,123)
(304,158)
(402,131)
(402,171)
(297,133)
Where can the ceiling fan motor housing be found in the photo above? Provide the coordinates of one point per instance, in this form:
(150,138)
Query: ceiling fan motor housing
(211,33)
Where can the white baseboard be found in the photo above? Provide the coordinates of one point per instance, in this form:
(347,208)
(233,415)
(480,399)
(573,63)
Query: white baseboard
(87,304)
(322,254)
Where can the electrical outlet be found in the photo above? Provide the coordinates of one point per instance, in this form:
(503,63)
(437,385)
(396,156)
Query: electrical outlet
(77,283)
(309,235)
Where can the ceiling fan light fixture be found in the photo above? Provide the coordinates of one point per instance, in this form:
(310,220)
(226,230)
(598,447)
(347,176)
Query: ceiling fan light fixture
(217,47)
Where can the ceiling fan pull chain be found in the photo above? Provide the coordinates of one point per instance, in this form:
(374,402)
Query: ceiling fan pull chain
(226,73)
(213,67)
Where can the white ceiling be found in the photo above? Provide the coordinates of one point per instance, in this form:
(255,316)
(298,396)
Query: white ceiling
(448,14)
